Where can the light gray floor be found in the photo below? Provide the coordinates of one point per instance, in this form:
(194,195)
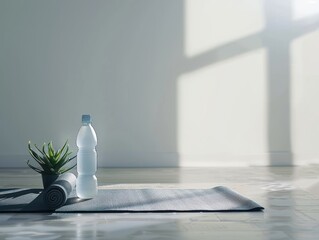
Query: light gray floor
(290,197)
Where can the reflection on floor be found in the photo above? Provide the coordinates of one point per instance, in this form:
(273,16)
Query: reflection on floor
(290,197)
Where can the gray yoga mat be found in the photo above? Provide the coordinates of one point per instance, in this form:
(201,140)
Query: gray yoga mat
(132,200)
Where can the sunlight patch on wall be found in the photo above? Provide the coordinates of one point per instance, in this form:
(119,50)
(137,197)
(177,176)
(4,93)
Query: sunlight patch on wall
(222,108)
(209,24)
(305,8)
(304,94)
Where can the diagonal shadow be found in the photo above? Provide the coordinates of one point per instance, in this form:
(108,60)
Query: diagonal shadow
(280,30)
(15,192)
(28,200)
(224,52)
(9,200)
(305,26)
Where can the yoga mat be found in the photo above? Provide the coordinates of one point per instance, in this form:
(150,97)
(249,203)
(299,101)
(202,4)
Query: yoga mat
(133,200)
(57,193)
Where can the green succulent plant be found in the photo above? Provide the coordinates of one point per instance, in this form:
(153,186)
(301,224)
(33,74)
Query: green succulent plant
(51,162)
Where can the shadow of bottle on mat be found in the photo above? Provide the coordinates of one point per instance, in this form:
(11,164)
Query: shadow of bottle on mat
(74,200)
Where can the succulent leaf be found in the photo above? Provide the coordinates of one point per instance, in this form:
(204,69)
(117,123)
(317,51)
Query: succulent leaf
(65,170)
(51,161)
(34,168)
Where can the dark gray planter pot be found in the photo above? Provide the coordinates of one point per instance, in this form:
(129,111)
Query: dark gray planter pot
(47,180)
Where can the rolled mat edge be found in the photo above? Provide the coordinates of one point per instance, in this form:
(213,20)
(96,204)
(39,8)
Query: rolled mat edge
(57,193)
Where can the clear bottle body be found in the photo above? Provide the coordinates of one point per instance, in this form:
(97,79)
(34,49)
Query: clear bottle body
(86,183)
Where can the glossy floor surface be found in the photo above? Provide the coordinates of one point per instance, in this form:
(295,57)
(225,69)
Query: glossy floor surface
(290,196)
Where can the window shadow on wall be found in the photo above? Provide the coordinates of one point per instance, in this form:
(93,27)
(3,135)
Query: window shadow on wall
(279,32)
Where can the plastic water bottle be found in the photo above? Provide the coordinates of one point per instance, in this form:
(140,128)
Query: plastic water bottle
(86,183)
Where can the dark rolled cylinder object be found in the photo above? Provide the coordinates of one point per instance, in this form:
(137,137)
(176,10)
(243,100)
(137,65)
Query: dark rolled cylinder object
(57,193)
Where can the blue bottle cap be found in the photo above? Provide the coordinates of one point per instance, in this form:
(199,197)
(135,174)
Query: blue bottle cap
(86,119)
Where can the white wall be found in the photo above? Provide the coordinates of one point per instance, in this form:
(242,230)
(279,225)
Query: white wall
(168,83)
